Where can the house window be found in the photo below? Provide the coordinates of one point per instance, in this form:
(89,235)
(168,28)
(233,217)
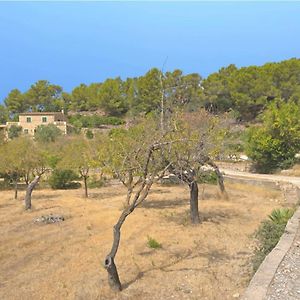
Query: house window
(44,119)
(28,119)
(26,131)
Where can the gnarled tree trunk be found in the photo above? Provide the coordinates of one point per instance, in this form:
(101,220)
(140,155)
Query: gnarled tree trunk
(220,176)
(109,263)
(84,173)
(113,276)
(85,187)
(29,190)
(194,212)
(188,177)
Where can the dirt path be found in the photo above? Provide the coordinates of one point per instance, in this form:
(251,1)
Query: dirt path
(64,260)
(269,177)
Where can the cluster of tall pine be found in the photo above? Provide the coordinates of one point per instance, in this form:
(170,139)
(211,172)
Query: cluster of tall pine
(245,91)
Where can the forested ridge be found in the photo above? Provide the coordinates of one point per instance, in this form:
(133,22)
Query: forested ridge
(245,91)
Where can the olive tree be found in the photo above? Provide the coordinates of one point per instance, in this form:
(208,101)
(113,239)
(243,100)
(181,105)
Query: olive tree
(47,133)
(14,159)
(79,155)
(14,131)
(37,163)
(23,157)
(198,141)
(141,155)
(135,157)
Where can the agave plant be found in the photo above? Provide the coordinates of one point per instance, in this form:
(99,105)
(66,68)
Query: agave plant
(281,215)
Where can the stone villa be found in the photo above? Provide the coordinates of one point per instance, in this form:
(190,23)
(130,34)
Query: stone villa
(31,120)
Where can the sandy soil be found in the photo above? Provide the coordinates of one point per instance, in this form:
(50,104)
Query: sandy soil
(64,260)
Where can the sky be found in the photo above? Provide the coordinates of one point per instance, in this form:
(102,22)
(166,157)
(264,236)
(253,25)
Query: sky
(68,43)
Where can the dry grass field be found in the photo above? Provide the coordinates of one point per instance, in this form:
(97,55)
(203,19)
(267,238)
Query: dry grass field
(64,260)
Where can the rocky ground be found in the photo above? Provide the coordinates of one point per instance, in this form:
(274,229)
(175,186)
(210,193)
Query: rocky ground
(286,283)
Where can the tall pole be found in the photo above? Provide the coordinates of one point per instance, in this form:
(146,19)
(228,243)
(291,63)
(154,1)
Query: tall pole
(162,101)
(162,104)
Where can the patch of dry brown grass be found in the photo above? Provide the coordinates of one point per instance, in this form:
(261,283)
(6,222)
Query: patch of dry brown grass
(64,260)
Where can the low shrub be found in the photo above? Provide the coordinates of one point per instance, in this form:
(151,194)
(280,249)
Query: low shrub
(7,182)
(89,134)
(152,243)
(47,133)
(14,131)
(64,179)
(282,215)
(5,185)
(269,233)
(95,182)
(209,177)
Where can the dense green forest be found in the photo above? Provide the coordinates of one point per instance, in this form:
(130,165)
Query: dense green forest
(244,91)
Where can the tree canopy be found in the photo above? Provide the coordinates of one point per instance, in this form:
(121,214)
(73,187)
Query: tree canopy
(246,91)
(275,143)
(79,154)
(47,133)
(14,131)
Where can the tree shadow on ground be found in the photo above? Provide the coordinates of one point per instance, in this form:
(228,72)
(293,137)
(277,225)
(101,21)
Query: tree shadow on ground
(216,216)
(212,256)
(137,277)
(103,195)
(167,203)
(158,191)
(6,205)
(45,197)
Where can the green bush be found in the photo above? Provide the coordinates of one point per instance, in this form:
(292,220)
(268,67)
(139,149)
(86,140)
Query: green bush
(47,133)
(274,144)
(152,243)
(5,184)
(209,177)
(63,179)
(14,131)
(269,233)
(89,134)
(77,125)
(281,215)
(94,182)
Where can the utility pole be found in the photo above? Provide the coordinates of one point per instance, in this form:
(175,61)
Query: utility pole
(162,101)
